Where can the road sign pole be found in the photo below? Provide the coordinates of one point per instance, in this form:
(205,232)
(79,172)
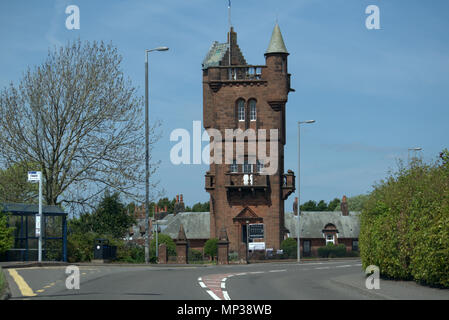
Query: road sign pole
(40,217)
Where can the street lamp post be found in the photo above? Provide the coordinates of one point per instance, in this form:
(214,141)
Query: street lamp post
(298,206)
(147,153)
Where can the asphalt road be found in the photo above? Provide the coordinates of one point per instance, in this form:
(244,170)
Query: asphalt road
(277,281)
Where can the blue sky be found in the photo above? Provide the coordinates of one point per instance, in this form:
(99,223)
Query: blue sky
(373,93)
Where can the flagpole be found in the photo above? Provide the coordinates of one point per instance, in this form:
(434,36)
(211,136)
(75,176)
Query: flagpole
(229,22)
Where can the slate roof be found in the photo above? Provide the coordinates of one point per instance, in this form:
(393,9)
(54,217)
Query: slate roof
(277,44)
(312,224)
(29,209)
(215,55)
(196,225)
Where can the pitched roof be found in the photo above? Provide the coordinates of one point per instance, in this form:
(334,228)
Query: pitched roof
(196,225)
(215,55)
(312,223)
(277,44)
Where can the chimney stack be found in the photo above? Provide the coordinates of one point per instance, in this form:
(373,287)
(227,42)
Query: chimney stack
(295,206)
(181,199)
(177,198)
(344,207)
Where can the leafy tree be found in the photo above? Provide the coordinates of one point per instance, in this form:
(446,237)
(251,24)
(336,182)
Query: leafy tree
(321,206)
(163,238)
(309,206)
(111,218)
(80,120)
(201,207)
(211,248)
(355,203)
(14,185)
(334,205)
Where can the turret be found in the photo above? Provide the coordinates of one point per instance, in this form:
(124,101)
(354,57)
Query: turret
(276,73)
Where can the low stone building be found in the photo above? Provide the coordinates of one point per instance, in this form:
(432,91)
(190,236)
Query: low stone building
(316,228)
(320,228)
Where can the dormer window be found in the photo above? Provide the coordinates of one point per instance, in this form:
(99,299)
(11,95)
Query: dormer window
(252,110)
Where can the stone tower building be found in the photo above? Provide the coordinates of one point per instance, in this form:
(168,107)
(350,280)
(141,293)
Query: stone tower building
(237,95)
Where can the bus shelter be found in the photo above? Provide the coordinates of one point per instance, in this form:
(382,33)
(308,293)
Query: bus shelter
(22,217)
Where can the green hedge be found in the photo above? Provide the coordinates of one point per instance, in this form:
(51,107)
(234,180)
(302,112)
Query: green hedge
(332,251)
(290,248)
(405,225)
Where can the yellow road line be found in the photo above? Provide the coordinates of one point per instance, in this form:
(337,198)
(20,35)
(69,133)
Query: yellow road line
(23,286)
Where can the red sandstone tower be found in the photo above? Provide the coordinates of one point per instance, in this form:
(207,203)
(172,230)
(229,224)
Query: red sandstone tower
(237,95)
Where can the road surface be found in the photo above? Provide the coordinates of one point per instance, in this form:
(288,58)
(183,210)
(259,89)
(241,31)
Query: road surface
(277,281)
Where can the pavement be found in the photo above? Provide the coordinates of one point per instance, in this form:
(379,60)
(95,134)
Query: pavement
(323,280)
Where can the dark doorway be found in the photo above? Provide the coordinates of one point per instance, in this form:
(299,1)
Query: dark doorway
(244,233)
(306,248)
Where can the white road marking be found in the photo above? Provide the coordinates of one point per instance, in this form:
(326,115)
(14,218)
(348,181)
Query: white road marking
(322,268)
(213,295)
(226,295)
(240,274)
(344,266)
(256,272)
(223,285)
(277,270)
(202,284)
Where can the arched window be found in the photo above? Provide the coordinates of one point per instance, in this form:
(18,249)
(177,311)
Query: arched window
(241,110)
(252,110)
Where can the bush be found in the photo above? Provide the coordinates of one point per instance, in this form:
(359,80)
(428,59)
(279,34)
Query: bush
(211,248)
(332,251)
(163,238)
(405,224)
(6,234)
(290,247)
(195,255)
(80,246)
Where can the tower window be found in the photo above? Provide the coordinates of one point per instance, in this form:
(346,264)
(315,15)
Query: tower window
(252,110)
(260,166)
(247,167)
(234,167)
(241,110)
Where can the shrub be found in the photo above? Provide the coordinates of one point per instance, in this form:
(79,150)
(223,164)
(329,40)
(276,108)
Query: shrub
(290,247)
(332,251)
(195,255)
(80,246)
(405,224)
(163,238)
(6,234)
(211,247)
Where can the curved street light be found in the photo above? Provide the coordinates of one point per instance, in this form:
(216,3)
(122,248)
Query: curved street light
(147,166)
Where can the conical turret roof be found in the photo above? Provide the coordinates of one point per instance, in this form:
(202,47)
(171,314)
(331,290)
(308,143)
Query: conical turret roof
(277,44)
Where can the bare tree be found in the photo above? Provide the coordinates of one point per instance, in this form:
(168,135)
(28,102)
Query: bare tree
(79,119)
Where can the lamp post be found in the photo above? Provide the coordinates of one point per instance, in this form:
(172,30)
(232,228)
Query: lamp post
(299,209)
(147,165)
